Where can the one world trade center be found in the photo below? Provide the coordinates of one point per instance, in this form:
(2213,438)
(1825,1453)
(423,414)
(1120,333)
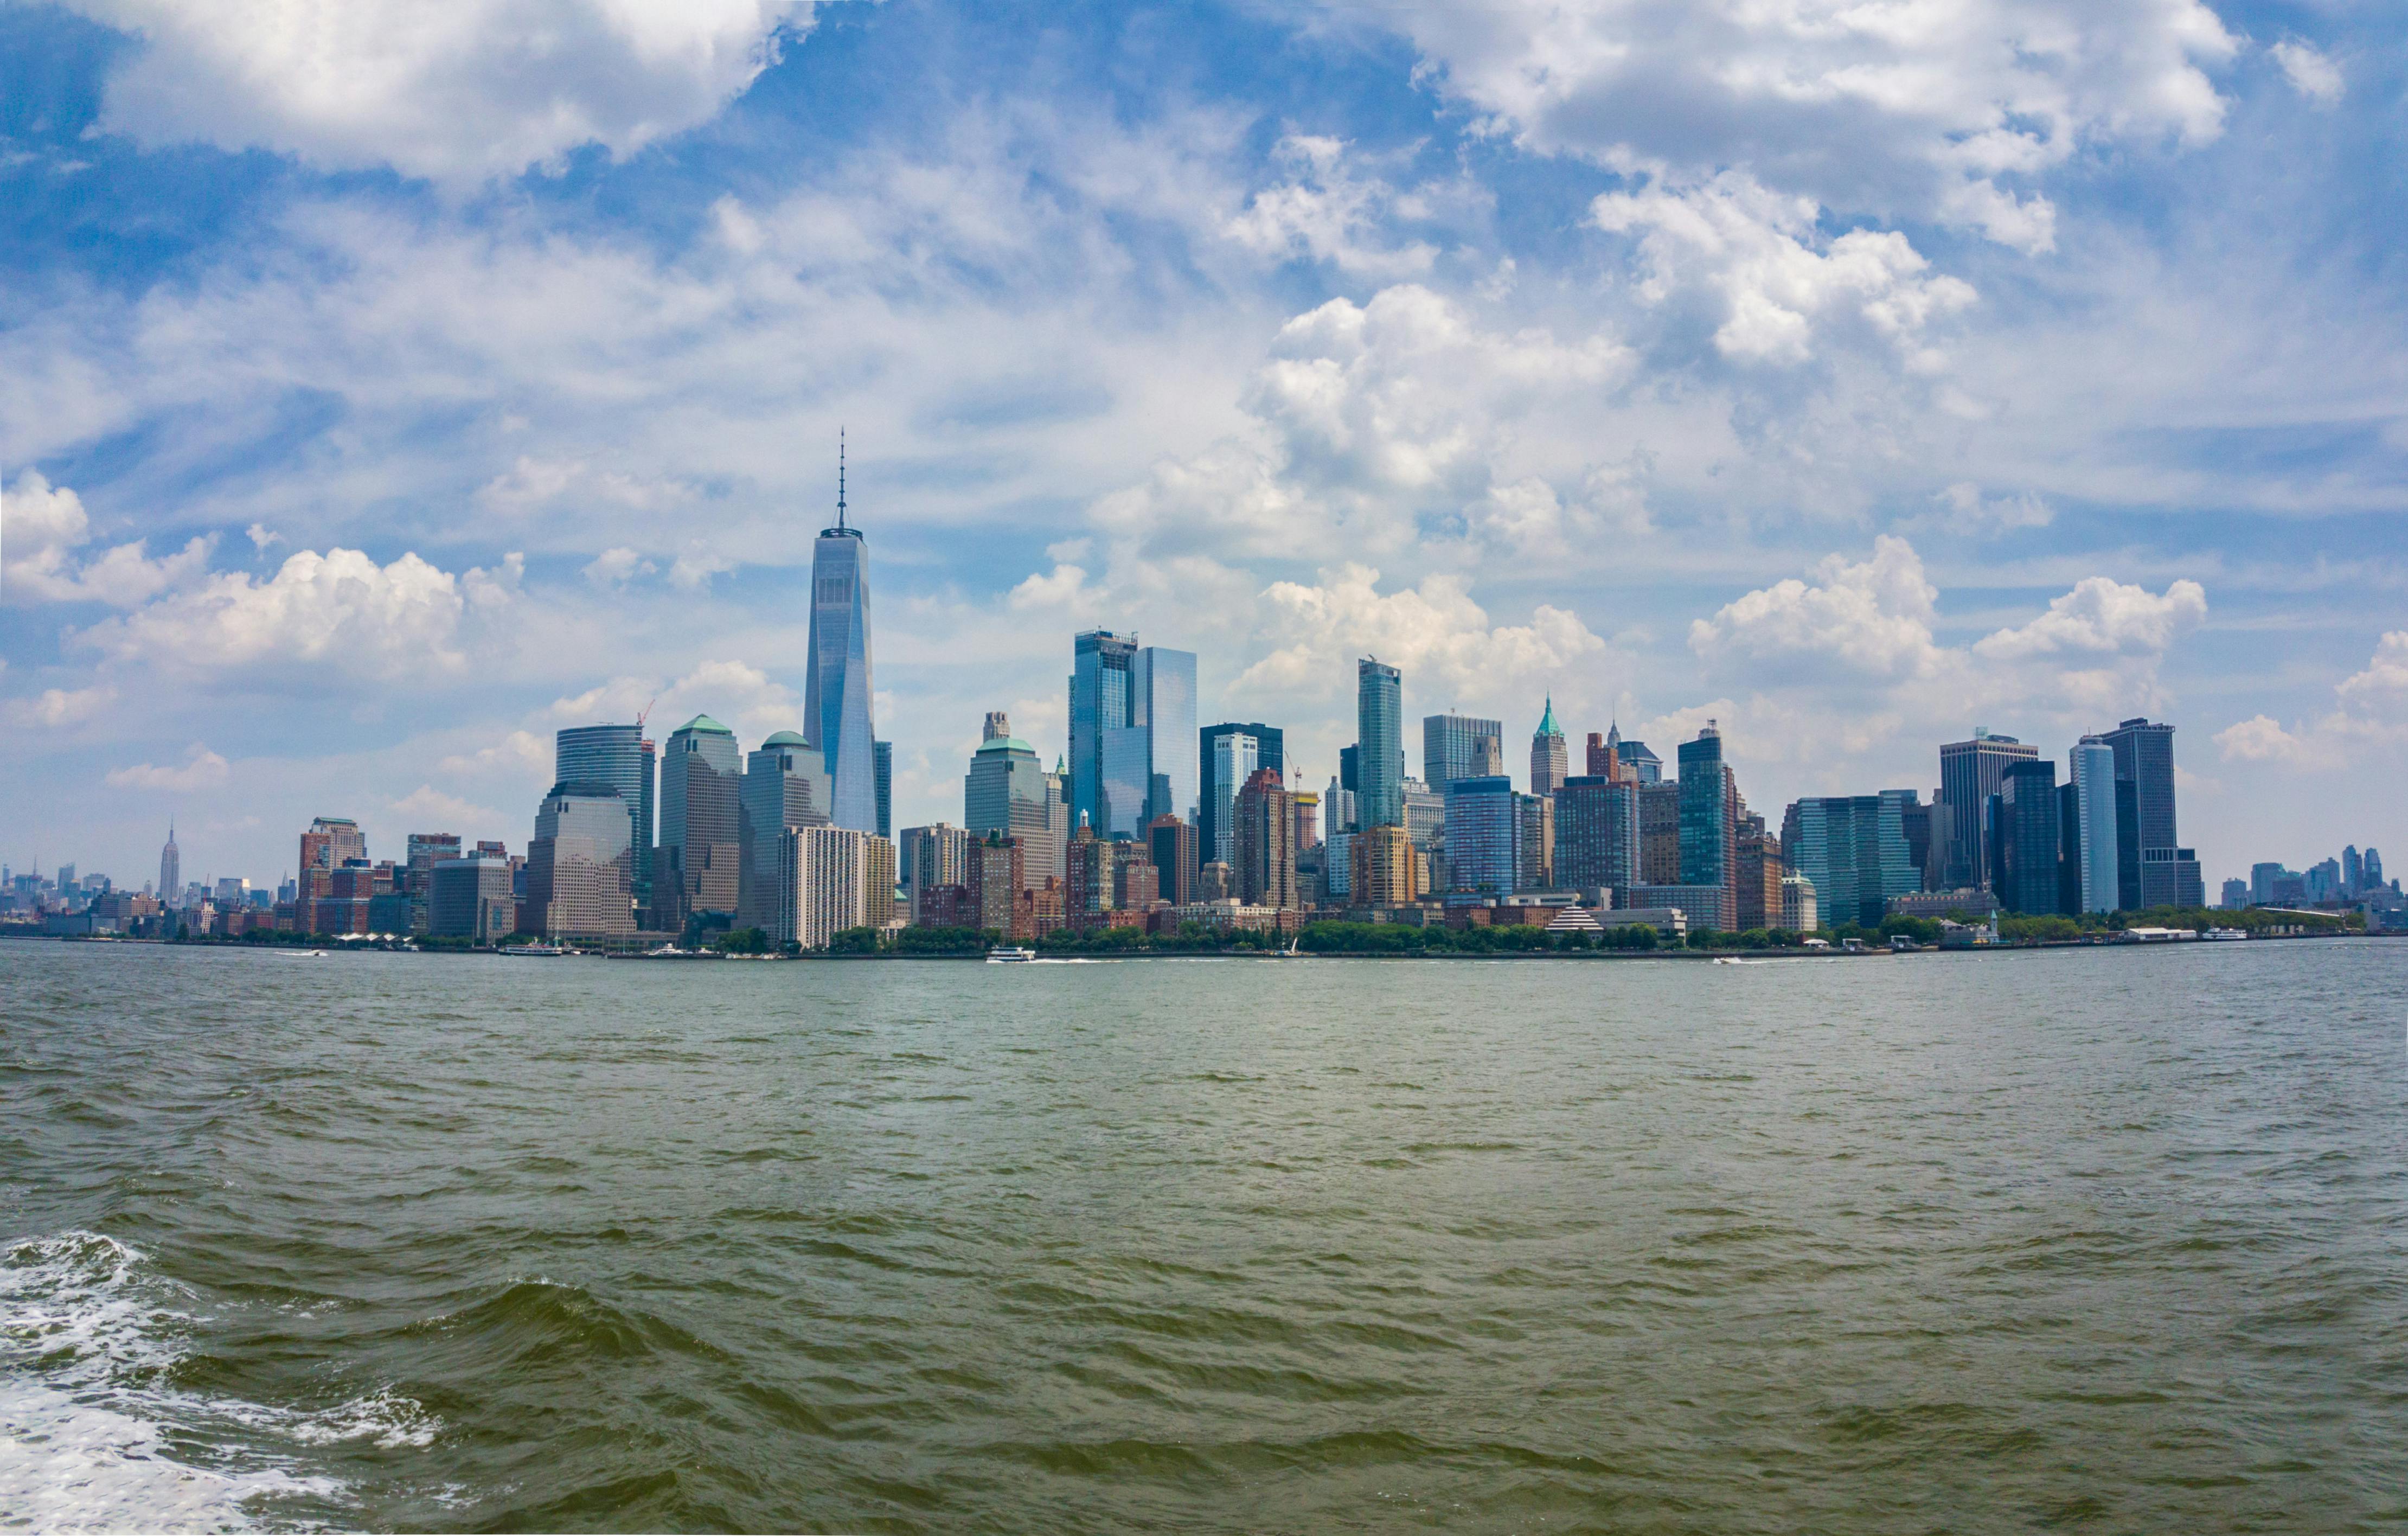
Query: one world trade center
(836,695)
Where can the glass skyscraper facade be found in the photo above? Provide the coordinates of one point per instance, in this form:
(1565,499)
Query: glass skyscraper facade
(1854,849)
(701,823)
(1484,835)
(1379,743)
(1224,761)
(1708,838)
(1969,773)
(1132,714)
(836,686)
(2100,858)
(1597,834)
(617,756)
(2024,834)
(1460,746)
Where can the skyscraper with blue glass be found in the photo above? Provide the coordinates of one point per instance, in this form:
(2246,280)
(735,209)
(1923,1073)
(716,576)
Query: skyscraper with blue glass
(837,682)
(1132,729)
(1379,744)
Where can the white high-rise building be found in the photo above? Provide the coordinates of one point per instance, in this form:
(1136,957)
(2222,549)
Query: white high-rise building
(2093,772)
(831,879)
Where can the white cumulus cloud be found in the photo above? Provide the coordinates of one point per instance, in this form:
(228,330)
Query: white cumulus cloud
(339,608)
(57,707)
(1772,271)
(456,91)
(1874,617)
(42,526)
(2311,73)
(201,770)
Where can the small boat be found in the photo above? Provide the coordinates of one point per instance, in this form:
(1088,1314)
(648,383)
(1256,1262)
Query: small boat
(534,952)
(300,955)
(1010,953)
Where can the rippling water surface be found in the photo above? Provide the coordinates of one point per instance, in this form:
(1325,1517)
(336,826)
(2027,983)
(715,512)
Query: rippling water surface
(2108,1241)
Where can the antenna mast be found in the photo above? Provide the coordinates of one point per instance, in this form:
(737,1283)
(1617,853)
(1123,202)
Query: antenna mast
(839,476)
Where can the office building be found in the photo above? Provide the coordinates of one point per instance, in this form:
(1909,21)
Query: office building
(837,689)
(1008,791)
(1970,772)
(472,898)
(581,866)
(1597,834)
(1709,811)
(1703,908)
(2170,877)
(171,866)
(785,785)
(1132,715)
(331,842)
(2024,838)
(1306,807)
(424,850)
(1264,866)
(882,762)
(698,874)
(1337,869)
(1173,844)
(2068,848)
(2236,894)
(829,880)
(1484,835)
(992,870)
(1425,816)
(1379,743)
(2145,758)
(1386,868)
(1550,757)
(1338,813)
(620,756)
(2096,860)
(1800,910)
(1228,755)
(1456,746)
(1643,766)
(1852,849)
(1755,891)
(1534,843)
(933,859)
(1660,832)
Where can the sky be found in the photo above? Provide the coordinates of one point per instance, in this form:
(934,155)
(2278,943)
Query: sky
(382,389)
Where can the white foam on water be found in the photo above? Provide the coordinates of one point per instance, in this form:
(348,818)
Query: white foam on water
(87,1332)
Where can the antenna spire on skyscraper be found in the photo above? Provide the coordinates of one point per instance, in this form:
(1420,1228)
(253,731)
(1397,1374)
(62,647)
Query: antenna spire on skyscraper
(839,476)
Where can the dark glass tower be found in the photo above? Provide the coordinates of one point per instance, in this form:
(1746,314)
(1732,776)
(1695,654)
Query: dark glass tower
(617,756)
(2028,845)
(1379,743)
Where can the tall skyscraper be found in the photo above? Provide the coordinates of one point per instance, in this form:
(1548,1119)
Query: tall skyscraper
(2145,758)
(617,756)
(1660,832)
(1265,866)
(1970,772)
(831,879)
(1484,835)
(1385,868)
(1707,832)
(171,868)
(1379,743)
(701,824)
(1008,793)
(1550,757)
(883,753)
(2092,771)
(1597,834)
(1132,714)
(1173,845)
(1456,746)
(424,851)
(837,689)
(2025,838)
(934,857)
(786,787)
(1226,756)
(331,842)
(580,864)
(1643,766)
(1852,849)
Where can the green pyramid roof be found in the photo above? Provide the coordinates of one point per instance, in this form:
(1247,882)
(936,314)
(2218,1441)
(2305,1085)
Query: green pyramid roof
(1547,726)
(704,723)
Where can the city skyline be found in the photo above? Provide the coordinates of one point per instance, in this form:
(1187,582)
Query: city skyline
(345,456)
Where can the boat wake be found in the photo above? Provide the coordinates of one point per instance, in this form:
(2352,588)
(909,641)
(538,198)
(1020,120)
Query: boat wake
(93,1436)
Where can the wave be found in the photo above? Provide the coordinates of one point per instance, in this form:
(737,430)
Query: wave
(91,1436)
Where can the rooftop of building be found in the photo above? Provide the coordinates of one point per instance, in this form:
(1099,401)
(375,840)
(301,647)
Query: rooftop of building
(704,723)
(785,738)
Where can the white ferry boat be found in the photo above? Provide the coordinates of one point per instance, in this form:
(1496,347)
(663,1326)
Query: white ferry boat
(1010,953)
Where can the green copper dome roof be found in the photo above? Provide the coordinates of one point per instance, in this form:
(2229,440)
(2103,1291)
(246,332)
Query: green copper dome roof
(1547,726)
(704,723)
(785,738)
(1007,743)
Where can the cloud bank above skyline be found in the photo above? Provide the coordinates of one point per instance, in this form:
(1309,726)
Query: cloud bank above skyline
(373,393)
